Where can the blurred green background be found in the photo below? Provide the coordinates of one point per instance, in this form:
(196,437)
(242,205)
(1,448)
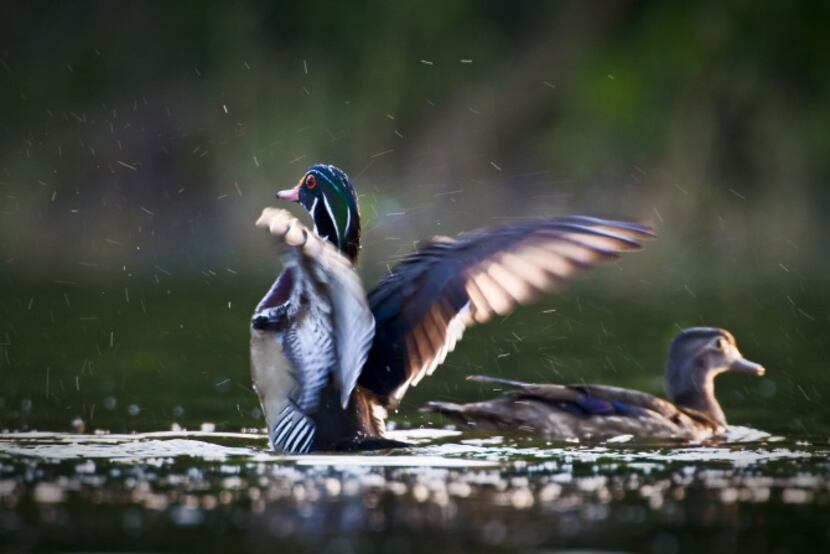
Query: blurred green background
(140,140)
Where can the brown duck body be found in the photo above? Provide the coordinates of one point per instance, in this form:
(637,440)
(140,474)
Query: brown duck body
(597,412)
(554,414)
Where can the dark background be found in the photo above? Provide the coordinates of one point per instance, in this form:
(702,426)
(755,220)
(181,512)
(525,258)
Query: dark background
(140,140)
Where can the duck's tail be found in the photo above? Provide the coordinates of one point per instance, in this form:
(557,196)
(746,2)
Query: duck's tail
(494,414)
(490,415)
(497,381)
(445,408)
(476,409)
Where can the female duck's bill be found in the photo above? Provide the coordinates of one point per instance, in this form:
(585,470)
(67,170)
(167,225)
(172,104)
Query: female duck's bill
(597,412)
(328,360)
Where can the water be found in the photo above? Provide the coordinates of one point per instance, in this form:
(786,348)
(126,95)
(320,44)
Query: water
(132,374)
(171,490)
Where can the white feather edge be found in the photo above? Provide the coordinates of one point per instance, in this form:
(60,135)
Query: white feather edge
(498,284)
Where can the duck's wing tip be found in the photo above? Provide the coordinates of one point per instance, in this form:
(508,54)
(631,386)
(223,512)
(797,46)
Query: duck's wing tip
(270,213)
(632,229)
(288,229)
(434,294)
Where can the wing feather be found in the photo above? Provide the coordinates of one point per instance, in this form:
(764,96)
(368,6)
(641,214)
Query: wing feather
(432,295)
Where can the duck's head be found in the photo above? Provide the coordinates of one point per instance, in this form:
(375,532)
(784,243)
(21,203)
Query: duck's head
(328,195)
(698,355)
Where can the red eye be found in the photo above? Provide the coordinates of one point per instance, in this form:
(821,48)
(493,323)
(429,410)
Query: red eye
(311,181)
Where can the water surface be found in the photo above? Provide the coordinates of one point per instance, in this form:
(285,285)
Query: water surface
(161,491)
(131,370)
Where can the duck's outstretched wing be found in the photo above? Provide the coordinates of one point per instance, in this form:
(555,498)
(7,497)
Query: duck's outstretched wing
(423,307)
(332,278)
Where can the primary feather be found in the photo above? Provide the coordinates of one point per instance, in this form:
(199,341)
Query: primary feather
(423,307)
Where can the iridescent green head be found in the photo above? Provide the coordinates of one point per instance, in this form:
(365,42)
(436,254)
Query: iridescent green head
(328,195)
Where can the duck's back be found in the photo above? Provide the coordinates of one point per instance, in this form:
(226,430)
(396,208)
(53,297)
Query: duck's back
(585,412)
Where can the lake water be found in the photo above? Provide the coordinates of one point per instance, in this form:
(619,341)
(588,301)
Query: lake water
(226,491)
(129,371)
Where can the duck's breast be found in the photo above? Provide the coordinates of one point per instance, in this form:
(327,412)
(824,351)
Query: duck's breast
(308,344)
(273,375)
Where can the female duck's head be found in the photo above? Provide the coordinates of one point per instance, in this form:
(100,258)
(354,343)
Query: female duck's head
(696,356)
(328,195)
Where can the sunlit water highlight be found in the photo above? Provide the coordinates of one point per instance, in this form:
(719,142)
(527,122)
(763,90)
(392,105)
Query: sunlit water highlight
(453,450)
(497,492)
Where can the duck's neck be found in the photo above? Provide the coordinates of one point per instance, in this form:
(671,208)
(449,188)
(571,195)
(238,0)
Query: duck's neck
(336,217)
(345,234)
(698,393)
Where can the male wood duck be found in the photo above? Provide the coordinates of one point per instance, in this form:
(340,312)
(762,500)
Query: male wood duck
(328,361)
(598,412)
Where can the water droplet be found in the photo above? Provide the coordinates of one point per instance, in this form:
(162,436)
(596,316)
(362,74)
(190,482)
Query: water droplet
(222,384)
(767,388)
(78,425)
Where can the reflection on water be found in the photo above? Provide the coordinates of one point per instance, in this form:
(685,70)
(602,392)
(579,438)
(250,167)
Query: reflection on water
(163,491)
(225,492)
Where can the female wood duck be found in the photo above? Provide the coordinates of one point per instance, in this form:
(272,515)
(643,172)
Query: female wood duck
(597,412)
(328,361)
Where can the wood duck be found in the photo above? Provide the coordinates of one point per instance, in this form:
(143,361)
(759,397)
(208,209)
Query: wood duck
(598,412)
(328,361)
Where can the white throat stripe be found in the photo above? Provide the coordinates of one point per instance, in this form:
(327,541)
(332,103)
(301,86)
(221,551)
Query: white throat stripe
(331,215)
